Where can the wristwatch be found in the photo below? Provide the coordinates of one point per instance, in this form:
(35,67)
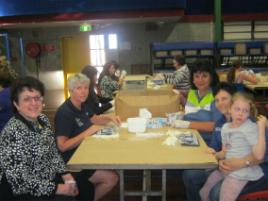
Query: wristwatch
(248,163)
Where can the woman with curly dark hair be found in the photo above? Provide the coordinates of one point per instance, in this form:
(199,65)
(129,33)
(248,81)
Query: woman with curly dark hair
(97,104)
(109,83)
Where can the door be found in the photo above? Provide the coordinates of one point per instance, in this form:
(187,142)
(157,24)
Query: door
(75,55)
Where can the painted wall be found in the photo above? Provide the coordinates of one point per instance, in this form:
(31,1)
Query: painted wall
(133,49)
(48,38)
(133,41)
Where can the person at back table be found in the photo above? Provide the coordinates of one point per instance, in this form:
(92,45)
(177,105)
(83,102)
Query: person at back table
(108,82)
(74,121)
(238,75)
(95,102)
(180,78)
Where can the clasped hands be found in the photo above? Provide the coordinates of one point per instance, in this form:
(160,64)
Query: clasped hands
(69,187)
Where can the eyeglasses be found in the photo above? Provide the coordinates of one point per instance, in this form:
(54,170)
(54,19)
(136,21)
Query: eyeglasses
(242,110)
(29,99)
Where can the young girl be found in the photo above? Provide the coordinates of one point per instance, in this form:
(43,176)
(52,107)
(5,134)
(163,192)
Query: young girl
(239,138)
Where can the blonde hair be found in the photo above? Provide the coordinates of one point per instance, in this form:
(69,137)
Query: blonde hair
(75,79)
(248,98)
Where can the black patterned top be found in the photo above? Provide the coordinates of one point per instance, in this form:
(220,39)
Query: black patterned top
(108,86)
(29,157)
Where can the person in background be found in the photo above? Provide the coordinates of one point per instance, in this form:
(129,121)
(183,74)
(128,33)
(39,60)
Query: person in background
(74,121)
(240,137)
(5,103)
(98,105)
(238,75)
(108,82)
(200,112)
(181,77)
(31,167)
(7,76)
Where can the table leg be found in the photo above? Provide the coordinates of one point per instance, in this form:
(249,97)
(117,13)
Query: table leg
(146,184)
(164,185)
(122,185)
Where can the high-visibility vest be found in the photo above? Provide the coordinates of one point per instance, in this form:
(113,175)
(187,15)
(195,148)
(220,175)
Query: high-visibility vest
(194,105)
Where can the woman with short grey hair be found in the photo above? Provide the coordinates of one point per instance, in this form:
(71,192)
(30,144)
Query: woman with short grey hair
(74,121)
(79,77)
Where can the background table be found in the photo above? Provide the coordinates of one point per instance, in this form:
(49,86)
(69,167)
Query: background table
(261,86)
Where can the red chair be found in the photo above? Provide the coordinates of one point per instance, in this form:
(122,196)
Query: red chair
(259,195)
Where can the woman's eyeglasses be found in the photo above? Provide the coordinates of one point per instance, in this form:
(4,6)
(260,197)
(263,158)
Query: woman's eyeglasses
(29,99)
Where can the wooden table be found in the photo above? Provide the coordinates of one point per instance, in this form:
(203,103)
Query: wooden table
(258,85)
(130,151)
(261,86)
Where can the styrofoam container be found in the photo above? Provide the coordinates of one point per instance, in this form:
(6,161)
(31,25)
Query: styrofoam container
(137,124)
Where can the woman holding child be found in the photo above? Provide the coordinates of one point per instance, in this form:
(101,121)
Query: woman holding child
(195,179)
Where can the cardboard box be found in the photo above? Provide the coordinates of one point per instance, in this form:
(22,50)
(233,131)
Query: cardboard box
(158,102)
(135,82)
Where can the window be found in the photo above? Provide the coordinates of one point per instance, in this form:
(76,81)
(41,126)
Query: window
(98,45)
(97,52)
(112,38)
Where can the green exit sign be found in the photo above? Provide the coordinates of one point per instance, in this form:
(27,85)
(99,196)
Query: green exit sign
(86,27)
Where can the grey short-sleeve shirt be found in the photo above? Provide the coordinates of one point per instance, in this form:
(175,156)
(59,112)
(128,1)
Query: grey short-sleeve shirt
(239,142)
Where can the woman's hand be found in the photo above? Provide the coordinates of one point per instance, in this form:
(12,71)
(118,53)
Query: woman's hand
(67,177)
(67,189)
(93,129)
(115,119)
(211,151)
(262,121)
(231,164)
(104,119)
(69,180)
(123,74)
(159,76)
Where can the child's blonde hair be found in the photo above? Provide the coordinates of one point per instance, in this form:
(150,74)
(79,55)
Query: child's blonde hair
(248,98)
